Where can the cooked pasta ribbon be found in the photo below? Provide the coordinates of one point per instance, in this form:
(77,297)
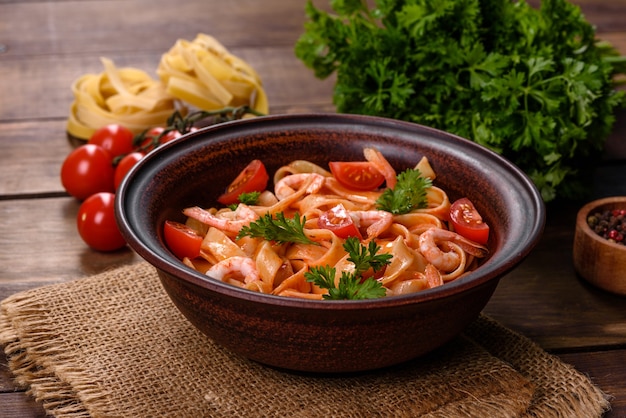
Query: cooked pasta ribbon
(126,96)
(206,75)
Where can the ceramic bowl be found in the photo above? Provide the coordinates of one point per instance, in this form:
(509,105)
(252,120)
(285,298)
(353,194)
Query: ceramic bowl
(596,259)
(325,336)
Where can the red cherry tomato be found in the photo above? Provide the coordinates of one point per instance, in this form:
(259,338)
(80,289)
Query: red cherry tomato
(96,223)
(116,139)
(468,222)
(124,166)
(182,240)
(170,136)
(253,178)
(87,170)
(150,141)
(338,220)
(357,175)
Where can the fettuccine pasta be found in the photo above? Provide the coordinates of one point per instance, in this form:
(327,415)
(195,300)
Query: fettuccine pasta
(425,253)
(199,73)
(204,74)
(125,96)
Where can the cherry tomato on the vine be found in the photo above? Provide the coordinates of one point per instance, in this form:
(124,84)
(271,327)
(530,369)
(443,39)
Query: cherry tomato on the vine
(124,166)
(150,141)
(338,220)
(97,225)
(170,136)
(87,170)
(182,240)
(356,175)
(116,139)
(468,222)
(253,178)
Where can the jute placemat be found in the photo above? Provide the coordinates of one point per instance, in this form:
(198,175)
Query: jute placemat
(113,345)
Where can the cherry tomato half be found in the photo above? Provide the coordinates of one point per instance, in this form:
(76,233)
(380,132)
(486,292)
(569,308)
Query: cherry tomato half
(116,139)
(253,178)
(87,170)
(356,175)
(96,223)
(182,240)
(124,166)
(338,220)
(468,222)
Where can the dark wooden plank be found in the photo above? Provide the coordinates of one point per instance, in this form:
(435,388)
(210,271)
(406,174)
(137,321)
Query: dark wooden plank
(35,148)
(14,402)
(40,243)
(20,405)
(607,370)
(140,25)
(546,301)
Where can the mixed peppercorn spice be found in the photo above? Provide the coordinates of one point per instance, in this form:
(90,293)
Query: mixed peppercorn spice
(609,224)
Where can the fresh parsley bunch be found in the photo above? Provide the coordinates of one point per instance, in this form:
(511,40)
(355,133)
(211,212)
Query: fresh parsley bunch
(534,85)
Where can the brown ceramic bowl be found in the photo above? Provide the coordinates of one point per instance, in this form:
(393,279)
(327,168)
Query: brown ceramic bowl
(596,259)
(325,336)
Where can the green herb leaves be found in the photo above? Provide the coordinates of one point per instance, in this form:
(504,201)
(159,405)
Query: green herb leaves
(352,285)
(279,229)
(408,194)
(531,84)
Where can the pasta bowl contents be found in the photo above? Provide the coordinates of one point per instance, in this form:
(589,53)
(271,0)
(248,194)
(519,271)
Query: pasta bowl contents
(333,234)
(284,314)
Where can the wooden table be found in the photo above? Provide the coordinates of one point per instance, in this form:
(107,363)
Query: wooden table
(46,45)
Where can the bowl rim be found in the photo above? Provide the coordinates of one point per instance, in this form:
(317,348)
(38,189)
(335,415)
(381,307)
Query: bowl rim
(583,226)
(451,289)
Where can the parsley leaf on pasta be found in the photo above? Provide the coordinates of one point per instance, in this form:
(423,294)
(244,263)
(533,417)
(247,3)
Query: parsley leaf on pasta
(250,199)
(351,284)
(364,257)
(279,229)
(408,194)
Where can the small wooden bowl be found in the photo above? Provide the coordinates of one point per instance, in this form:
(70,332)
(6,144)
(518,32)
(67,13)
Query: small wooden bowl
(598,260)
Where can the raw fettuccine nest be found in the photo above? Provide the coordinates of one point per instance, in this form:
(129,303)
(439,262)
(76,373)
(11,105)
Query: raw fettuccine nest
(199,73)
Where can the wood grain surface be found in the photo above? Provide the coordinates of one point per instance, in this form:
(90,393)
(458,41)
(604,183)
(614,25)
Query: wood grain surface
(46,45)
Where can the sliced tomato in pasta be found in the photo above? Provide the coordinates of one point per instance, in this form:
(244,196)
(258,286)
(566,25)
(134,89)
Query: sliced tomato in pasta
(253,178)
(339,221)
(468,222)
(182,240)
(356,175)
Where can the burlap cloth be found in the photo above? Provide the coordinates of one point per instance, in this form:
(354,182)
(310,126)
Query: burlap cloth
(113,345)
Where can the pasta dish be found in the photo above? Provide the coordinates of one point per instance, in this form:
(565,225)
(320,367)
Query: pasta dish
(356,230)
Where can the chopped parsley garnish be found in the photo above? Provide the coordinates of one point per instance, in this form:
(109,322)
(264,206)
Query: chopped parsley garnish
(251,198)
(408,194)
(278,228)
(351,284)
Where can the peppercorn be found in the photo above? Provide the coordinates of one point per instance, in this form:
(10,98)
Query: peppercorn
(609,224)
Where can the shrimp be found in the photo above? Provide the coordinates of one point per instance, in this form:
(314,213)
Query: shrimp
(376,221)
(381,164)
(433,276)
(429,245)
(285,187)
(227,221)
(239,268)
